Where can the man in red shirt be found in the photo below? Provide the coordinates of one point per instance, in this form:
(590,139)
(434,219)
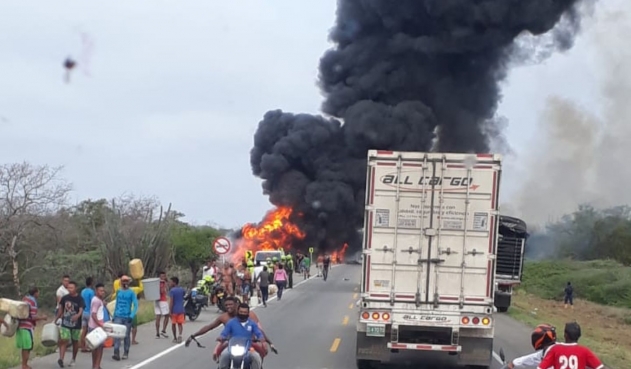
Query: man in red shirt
(570,355)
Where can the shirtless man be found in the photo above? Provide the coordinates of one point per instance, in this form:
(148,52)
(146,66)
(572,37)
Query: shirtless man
(231,312)
(227,279)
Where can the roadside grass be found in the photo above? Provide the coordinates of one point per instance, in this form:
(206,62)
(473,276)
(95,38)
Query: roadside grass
(605,328)
(604,282)
(10,355)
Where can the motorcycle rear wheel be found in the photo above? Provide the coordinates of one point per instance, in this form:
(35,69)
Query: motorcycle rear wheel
(194,314)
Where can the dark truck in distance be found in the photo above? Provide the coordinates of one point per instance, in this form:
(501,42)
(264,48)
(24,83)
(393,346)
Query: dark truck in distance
(509,259)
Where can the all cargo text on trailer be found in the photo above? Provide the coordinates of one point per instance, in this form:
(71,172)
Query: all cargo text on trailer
(392,179)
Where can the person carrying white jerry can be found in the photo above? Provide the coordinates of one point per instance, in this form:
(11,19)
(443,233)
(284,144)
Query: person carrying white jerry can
(97,320)
(24,334)
(124,313)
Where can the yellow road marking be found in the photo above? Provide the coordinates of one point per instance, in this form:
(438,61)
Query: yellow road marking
(345,321)
(335,345)
(354,296)
(350,306)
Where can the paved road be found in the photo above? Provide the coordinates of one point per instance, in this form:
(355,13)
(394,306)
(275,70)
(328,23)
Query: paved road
(313,327)
(148,345)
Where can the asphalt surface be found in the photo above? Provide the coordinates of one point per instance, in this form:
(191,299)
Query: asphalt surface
(313,327)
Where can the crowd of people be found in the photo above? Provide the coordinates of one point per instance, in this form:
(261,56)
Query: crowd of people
(247,278)
(78,311)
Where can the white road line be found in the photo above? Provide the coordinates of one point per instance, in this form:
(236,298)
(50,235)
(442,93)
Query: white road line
(173,348)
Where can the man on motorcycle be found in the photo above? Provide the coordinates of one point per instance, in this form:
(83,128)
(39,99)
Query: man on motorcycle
(240,326)
(204,287)
(543,337)
(231,312)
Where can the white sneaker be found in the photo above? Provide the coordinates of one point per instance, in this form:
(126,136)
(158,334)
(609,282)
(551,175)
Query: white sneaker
(71,363)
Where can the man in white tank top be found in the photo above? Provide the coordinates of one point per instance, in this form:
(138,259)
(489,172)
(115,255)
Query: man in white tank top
(62,290)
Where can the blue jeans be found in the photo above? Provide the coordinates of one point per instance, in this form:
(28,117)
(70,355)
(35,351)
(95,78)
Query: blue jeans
(281,286)
(245,289)
(117,342)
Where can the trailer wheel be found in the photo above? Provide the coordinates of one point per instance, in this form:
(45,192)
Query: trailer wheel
(364,364)
(502,309)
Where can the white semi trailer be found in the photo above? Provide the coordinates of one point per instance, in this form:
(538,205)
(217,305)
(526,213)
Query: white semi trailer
(429,254)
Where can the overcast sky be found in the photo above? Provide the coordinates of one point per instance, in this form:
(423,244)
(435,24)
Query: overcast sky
(169,94)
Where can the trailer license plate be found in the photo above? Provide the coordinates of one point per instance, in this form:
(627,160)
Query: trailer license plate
(376,330)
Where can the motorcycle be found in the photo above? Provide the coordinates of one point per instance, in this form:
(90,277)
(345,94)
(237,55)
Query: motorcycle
(219,294)
(192,305)
(200,297)
(237,347)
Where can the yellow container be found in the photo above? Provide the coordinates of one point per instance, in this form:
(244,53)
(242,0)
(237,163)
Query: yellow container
(136,269)
(110,308)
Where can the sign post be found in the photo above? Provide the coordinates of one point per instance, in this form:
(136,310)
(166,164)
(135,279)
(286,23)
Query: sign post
(248,255)
(222,247)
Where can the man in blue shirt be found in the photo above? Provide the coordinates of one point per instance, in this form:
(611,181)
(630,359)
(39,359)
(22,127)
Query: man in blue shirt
(177,308)
(124,312)
(241,326)
(87,294)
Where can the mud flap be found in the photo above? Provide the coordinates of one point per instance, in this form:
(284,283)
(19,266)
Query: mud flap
(476,351)
(372,348)
(502,301)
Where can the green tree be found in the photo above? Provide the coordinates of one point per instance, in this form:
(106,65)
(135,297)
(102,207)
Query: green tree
(193,246)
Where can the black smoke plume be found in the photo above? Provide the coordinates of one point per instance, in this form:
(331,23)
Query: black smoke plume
(411,75)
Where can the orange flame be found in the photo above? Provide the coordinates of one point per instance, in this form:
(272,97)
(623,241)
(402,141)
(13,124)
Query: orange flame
(275,231)
(338,255)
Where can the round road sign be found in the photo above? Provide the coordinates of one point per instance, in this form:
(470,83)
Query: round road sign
(221,245)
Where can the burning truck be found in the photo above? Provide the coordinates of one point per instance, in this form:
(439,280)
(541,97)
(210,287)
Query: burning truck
(278,232)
